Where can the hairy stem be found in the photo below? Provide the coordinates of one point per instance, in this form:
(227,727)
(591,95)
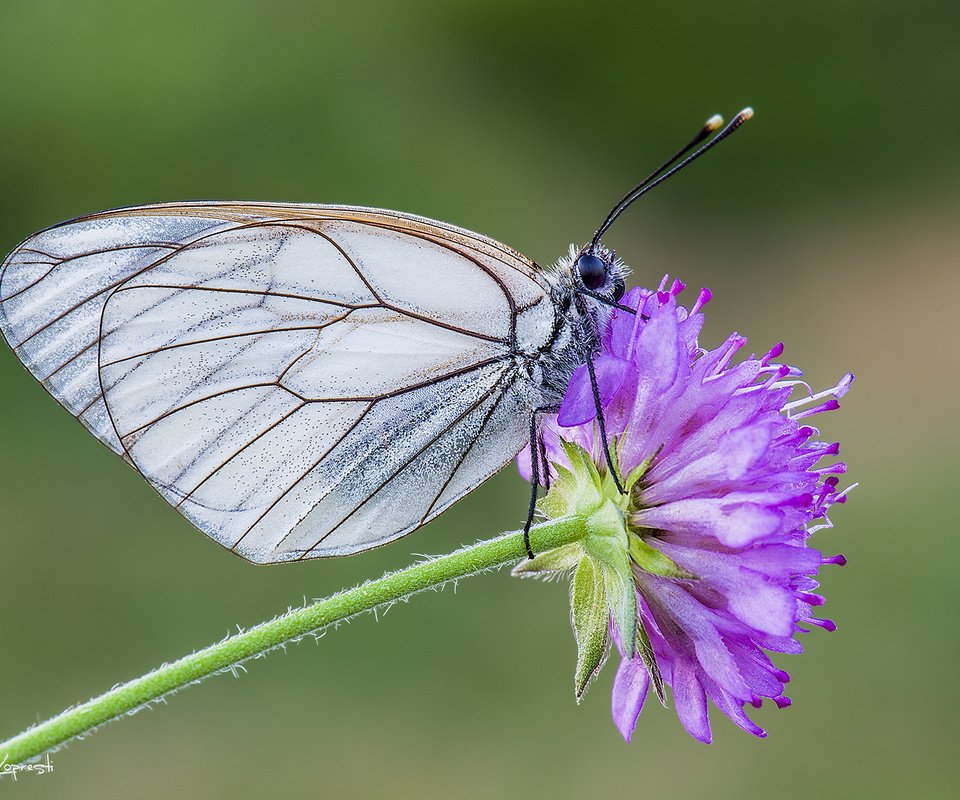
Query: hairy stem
(227,654)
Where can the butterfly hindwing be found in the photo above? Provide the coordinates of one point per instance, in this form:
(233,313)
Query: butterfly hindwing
(297,380)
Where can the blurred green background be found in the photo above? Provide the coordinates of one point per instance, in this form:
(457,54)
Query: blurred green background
(830,222)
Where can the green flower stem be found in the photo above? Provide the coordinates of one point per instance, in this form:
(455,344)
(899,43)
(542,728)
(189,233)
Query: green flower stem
(227,654)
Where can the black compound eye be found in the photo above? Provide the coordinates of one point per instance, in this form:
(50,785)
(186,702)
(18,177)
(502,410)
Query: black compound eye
(593,272)
(618,289)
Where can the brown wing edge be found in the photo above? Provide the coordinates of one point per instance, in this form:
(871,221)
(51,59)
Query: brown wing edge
(232,211)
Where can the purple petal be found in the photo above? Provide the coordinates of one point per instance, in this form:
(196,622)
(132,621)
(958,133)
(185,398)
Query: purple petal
(734,710)
(524,467)
(698,626)
(781,559)
(725,463)
(624,325)
(657,349)
(611,374)
(762,601)
(763,605)
(629,691)
(579,405)
(735,524)
(744,447)
(691,702)
(745,523)
(758,670)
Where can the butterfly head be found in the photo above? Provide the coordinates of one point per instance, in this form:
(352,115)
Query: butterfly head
(599,272)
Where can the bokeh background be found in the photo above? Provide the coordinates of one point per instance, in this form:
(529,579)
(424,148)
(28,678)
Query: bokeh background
(830,222)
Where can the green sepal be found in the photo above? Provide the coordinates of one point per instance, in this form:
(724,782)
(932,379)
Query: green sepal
(608,484)
(581,462)
(573,491)
(645,649)
(606,543)
(640,470)
(651,560)
(590,623)
(606,535)
(551,563)
(622,604)
(559,501)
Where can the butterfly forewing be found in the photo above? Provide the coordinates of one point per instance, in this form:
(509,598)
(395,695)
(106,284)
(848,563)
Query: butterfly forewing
(298,381)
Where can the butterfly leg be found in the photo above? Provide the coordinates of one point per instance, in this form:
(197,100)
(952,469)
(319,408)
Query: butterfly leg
(544,462)
(602,424)
(538,456)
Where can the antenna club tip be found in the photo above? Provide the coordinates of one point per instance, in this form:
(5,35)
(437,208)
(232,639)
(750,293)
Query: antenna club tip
(746,113)
(714,123)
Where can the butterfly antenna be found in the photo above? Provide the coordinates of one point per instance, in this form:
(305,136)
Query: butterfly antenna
(657,177)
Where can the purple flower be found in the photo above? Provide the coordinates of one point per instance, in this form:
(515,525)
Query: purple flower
(719,521)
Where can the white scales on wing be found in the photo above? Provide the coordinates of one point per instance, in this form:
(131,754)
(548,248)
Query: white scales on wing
(298,381)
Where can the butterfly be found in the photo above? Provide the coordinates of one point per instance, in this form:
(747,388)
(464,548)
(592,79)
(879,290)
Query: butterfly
(303,381)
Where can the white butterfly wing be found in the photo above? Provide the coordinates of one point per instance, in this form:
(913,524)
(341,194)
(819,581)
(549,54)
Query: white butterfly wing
(298,381)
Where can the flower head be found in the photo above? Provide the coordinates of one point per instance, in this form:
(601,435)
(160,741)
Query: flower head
(724,487)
